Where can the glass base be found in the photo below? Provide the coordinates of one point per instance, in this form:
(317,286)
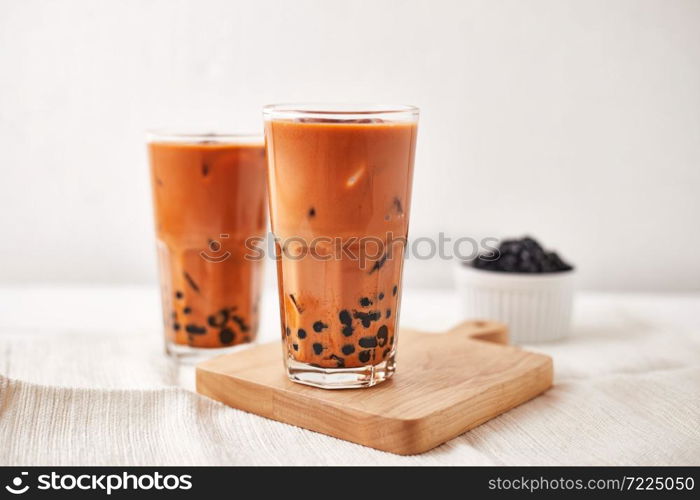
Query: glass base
(189,355)
(341,378)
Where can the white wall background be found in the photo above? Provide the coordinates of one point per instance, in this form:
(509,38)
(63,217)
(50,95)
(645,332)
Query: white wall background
(575,121)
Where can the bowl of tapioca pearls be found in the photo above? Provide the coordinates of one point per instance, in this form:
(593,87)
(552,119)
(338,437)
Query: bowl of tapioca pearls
(521,284)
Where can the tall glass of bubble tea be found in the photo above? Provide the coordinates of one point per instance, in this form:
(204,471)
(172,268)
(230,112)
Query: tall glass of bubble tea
(209,198)
(339,181)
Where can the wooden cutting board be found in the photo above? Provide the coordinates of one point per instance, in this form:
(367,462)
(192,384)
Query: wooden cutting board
(445,384)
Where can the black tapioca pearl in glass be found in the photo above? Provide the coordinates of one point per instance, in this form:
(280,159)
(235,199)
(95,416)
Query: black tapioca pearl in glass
(318,348)
(301,333)
(312,213)
(386,352)
(187,310)
(382,336)
(396,204)
(368,342)
(195,329)
(388,313)
(191,282)
(226,336)
(365,302)
(381,295)
(288,331)
(205,170)
(367,318)
(219,319)
(339,360)
(176,327)
(391,340)
(240,322)
(348,349)
(296,304)
(319,326)
(365,356)
(378,264)
(394,290)
(346,320)
(295,347)
(179,294)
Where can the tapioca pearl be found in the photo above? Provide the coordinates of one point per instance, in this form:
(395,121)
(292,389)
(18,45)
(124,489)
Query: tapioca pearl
(301,333)
(297,306)
(368,342)
(340,361)
(190,281)
(382,335)
(219,319)
(365,356)
(394,290)
(346,320)
(348,349)
(226,336)
(397,206)
(319,326)
(381,295)
(365,302)
(176,327)
(187,310)
(241,323)
(378,264)
(391,340)
(179,294)
(195,329)
(295,347)
(388,313)
(367,318)
(318,348)
(288,331)
(386,352)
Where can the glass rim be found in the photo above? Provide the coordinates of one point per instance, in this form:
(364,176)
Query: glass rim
(338,109)
(166,135)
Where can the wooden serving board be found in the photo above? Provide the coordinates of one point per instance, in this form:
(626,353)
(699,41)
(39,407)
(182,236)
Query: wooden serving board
(445,384)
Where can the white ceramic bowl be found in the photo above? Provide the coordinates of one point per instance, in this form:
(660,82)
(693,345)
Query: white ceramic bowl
(536,307)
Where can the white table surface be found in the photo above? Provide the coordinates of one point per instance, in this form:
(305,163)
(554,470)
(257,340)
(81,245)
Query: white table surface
(627,387)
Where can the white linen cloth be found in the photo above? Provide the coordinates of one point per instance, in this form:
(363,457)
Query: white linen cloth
(83,381)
